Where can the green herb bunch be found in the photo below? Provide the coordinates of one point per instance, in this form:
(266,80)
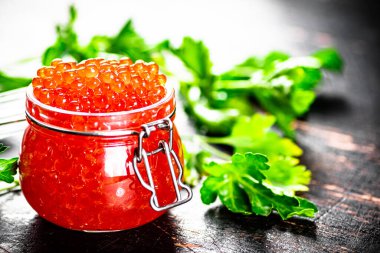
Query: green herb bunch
(8,170)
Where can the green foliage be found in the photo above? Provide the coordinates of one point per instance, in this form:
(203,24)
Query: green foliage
(9,83)
(196,57)
(212,111)
(8,167)
(255,134)
(127,42)
(194,163)
(3,148)
(239,186)
(287,176)
(66,42)
(330,59)
(282,85)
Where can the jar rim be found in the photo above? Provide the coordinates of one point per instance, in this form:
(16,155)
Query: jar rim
(104,121)
(169,94)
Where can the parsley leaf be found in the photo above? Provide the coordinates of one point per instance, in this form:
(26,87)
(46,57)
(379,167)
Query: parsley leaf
(330,59)
(287,176)
(238,184)
(3,148)
(66,42)
(10,83)
(208,119)
(254,134)
(8,167)
(212,111)
(194,163)
(195,56)
(129,42)
(283,85)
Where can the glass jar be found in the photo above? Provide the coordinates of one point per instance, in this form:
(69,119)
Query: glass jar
(102,171)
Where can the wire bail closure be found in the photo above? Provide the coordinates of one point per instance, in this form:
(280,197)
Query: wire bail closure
(141,155)
(167,148)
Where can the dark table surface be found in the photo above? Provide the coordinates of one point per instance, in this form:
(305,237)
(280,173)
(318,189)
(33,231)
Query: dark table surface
(340,138)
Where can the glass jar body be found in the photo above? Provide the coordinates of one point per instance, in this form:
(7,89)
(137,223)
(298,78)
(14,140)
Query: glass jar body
(88,183)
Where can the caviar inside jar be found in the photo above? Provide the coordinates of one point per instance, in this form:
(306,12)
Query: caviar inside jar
(98,85)
(87,182)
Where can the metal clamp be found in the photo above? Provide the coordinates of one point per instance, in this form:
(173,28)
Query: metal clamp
(167,148)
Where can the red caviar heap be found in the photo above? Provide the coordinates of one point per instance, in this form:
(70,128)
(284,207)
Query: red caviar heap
(98,85)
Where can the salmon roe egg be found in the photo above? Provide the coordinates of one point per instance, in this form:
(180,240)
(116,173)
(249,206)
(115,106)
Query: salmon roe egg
(98,85)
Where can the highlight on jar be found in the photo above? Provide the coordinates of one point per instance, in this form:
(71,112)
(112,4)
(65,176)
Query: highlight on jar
(109,156)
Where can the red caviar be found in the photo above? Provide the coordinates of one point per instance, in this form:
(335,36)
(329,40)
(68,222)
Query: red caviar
(114,82)
(81,181)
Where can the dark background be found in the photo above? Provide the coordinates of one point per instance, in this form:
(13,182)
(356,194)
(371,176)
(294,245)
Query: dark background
(340,138)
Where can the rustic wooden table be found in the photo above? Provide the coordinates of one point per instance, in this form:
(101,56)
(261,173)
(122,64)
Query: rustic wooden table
(340,137)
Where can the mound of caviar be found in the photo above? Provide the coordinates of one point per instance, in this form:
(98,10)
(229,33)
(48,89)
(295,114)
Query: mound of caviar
(98,85)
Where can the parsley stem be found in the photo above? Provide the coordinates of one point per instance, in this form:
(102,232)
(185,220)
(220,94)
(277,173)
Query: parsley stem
(10,187)
(215,151)
(213,140)
(202,142)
